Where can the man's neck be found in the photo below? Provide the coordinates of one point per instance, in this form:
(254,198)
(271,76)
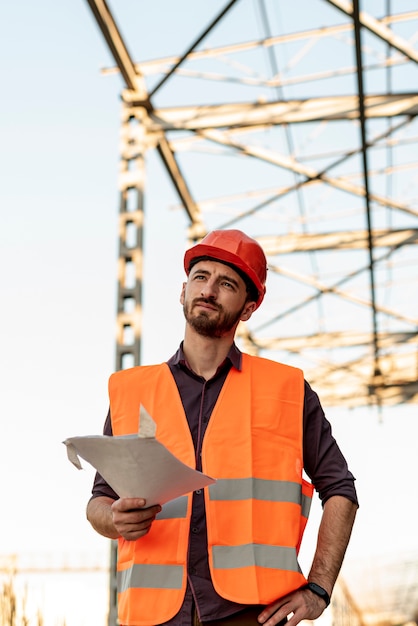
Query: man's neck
(205,354)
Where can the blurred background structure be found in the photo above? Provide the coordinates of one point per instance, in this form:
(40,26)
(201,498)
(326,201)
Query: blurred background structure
(293,121)
(300,129)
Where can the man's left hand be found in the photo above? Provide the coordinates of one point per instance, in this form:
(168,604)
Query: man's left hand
(297,606)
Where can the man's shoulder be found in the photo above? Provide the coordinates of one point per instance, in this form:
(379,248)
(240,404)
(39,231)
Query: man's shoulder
(263,363)
(136,373)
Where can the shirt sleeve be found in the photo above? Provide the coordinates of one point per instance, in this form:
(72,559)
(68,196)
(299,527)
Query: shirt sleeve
(100,486)
(323,460)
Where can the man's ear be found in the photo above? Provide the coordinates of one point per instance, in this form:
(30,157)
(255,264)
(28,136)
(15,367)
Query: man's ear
(249,309)
(183,289)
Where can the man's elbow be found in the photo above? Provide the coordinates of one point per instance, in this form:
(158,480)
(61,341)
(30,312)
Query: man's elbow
(341,508)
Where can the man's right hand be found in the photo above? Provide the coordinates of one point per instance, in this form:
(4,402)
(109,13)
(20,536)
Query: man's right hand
(131,519)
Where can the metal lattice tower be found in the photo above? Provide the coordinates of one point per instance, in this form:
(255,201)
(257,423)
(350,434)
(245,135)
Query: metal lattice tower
(298,125)
(319,167)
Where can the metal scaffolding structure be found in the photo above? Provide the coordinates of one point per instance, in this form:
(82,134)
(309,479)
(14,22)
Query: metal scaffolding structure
(314,154)
(297,123)
(388,593)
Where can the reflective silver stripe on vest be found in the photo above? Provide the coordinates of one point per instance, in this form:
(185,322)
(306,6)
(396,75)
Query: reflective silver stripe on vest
(249,555)
(174,509)
(150,576)
(306,505)
(256,488)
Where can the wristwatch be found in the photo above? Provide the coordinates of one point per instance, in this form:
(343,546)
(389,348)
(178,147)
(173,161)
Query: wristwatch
(319,591)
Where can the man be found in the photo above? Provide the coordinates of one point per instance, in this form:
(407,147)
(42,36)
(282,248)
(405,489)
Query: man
(226,554)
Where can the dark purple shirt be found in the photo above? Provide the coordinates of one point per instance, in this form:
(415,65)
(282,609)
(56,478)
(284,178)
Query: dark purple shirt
(323,463)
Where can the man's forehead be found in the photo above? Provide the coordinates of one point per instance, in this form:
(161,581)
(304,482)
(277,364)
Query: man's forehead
(214,266)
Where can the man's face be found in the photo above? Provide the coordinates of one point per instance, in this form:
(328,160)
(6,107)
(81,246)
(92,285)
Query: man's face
(214,299)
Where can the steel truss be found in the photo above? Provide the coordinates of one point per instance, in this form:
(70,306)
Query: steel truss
(354,330)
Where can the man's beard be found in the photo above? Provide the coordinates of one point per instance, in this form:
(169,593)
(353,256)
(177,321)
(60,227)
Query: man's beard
(215,326)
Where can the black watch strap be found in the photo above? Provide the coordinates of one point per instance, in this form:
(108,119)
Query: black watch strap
(319,591)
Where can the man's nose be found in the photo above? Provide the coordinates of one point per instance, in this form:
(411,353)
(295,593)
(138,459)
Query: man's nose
(209,289)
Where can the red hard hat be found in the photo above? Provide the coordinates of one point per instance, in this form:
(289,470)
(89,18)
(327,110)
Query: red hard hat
(235,248)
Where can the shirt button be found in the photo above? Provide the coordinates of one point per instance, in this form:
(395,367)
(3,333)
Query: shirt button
(195,529)
(198,491)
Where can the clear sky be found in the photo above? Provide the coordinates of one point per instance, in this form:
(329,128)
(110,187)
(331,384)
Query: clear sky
(59,125)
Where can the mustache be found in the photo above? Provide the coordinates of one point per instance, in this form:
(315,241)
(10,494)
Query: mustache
(206,301)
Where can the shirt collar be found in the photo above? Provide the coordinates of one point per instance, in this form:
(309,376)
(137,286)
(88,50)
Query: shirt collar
(234,356)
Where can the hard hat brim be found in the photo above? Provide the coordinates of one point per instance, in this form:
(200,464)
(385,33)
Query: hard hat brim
(219,254)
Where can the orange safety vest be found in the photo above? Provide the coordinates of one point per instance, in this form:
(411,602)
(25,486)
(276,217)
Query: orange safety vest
(256,511)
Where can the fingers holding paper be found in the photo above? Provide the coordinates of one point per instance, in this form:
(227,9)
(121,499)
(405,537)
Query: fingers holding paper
(131,519)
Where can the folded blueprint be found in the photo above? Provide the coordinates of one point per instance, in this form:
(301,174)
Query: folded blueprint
(137,466)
